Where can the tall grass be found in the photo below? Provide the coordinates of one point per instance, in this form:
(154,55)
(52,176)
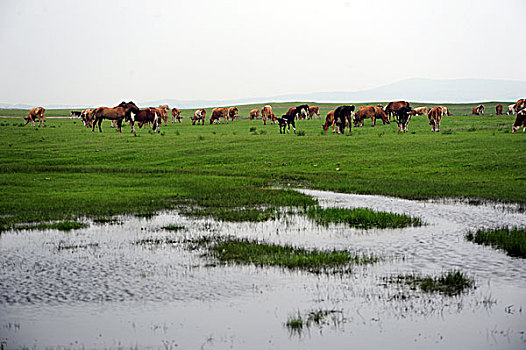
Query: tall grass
(512,241)
(450,283)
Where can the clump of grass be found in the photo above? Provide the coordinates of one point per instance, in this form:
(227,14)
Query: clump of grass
(63,246)
(248,252)
(361,217)
(301,133)
(237,214)
(296,323)
(61,226)
(104,220)
(155,241)
(450,283)
(512,241)
(173,228)
(252,129)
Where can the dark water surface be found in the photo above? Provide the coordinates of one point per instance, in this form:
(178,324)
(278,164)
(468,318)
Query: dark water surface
(98,288)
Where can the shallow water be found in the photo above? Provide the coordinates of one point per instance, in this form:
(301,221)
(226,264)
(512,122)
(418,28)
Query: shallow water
(96,288)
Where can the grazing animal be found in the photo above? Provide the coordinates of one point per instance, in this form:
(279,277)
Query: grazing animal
(435,115)
(165,108)
(146,116)
(286,121)
(233,113)
(86,116)
(314,110)
(498,109)
(266,112)
(176,115)
(75,114)
(329,120)
(520,105)
(519,121)
(479,110)
(299,112)
(420,111)
(116,114)
(199,116)
(392,107)
(36,112)
(403,117)
(370,112)
(445,111)
(217,114)
(343,116)
(511,109)
(254,114)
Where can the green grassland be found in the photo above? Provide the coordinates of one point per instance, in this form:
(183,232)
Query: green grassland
(64,170)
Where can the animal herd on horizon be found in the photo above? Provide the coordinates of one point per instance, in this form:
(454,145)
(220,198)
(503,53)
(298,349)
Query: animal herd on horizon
(342,117)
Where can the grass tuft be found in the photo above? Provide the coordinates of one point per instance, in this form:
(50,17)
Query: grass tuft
(173,228)
(361,217)
(512,241)
(451,283)
(61,226)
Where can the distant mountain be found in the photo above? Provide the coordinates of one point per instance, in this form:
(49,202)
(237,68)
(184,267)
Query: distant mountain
(414,90)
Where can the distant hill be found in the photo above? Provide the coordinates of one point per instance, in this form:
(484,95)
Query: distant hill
(414,90)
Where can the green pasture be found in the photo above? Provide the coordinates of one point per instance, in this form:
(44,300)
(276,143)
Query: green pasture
(65,171)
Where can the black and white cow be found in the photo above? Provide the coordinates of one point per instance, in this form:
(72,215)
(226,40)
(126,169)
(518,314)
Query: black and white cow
(343,116)
(404,116)
(520,121)
(286,121)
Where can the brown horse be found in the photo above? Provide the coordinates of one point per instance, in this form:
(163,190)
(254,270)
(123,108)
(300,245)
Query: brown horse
(146,116)
(115,114)
(36,112)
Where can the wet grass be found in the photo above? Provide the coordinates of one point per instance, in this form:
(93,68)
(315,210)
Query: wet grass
(296,323)
(61,226)
(236,214)
(512,241)
(173,228)
(361,218)
(450,283)
(248,252)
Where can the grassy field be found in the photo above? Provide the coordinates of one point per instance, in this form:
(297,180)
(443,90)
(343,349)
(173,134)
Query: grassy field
(64,170)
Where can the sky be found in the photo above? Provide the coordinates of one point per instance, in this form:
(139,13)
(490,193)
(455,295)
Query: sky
(95,53)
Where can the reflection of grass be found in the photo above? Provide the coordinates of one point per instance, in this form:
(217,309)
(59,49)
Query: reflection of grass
(513,241)
(361,217)
(297,322)
(61,226)
(243,251)
(236,214)
(450,283)
(173,228)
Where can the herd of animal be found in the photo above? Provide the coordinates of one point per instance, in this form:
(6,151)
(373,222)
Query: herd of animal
(340,118)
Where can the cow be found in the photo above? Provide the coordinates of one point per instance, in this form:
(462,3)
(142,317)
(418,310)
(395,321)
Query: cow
(445,111)
(403,117)
(254,114)
(233,113)
(435,115)
(165,107)
(519,121)
(199,116)
(329,120)
(75,114)
(286,121)
(266,112)
(162,113)
(392,107)
(520,104)
(343,116)
(511,109)
(314,110)
(299,112)
(217,113)
(86,116)
(115,114)
(272,118)
(479,110)
(36,112)
(176,115)
(370,112)
(146,116)
(420,111)
(498,109)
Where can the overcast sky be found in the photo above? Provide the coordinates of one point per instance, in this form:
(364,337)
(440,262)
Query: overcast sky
(103,52)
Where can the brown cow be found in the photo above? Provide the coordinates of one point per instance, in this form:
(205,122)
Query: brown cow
(254,114)
(86,116)
(520,104)
(329,120)
(233,113)
(420,111)
(266,112)
(115,114)
(162,113)
(445,111)
(435,115)
(479,110)
(393,107)
(519,121)
(370,112)
(499,109)
(199,116)
(217,113)
(176,115)
(314,110)
(36,112)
